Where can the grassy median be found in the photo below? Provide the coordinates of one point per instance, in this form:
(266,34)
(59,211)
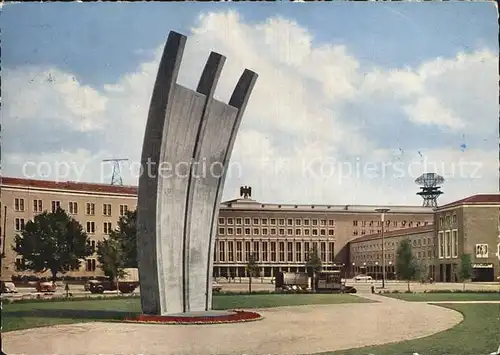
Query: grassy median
(23,315)
(445,296)
(477,334)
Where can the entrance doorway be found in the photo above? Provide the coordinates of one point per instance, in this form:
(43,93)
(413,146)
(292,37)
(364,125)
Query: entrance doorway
(483,273)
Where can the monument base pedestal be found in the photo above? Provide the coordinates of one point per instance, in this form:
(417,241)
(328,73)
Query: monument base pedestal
(200,317)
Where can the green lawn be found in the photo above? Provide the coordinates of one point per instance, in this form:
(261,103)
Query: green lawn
(18,316)
(477,334)
(445,296)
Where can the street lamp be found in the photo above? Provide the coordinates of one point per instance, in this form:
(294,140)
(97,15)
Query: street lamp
(353,269)
(376,270)
(390,266)
(382,212)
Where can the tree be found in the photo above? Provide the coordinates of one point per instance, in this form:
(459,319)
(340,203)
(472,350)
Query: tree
(407,268)
(465,269)
(126,235)
(252,269)
(52,241)
(313,265)
(111,258)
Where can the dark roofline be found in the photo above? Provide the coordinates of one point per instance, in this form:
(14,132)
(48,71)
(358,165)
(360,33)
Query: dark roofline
(395,233)
(479,199)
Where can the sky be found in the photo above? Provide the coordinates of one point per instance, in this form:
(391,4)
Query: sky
(354,100)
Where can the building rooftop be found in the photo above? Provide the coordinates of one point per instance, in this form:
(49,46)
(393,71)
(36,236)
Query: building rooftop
(479,199)
(394,233)
(68,186)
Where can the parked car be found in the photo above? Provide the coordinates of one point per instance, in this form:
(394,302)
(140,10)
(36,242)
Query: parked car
(216,287)
(95,286)
(86,286)
(8,287)
(363,278)
(46,286)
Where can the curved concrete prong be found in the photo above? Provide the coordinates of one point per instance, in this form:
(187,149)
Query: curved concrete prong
(206,86)
(239,100)
(147,213)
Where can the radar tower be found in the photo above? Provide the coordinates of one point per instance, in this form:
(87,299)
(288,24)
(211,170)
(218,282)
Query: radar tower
(430,183)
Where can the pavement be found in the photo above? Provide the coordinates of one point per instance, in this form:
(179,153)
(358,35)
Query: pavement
(284,330)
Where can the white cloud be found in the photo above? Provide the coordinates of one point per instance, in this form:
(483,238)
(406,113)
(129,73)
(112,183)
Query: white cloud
(301,117)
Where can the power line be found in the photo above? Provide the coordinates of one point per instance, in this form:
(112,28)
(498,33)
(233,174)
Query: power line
(116,178)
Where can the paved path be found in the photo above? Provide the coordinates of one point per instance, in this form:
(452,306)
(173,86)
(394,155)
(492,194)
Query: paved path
(285,330)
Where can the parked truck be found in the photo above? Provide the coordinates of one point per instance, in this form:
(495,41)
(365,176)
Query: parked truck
(126,284)
(292,281)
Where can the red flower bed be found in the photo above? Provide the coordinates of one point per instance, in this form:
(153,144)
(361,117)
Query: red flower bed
(237,317)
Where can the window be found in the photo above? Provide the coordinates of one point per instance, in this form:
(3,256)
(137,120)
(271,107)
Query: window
(454,245)
(355,232)
(20,263)
(256,250)
(264,221)
(281,221)
(298,252)
(273,231)
(90,265)
(306,222)
(90,227)
(37,206)
(55,205)
(222,254)
(264,231)
(273,221)
(307,231)
(331,222)
(441,245)
(247,221)
(106,209)
(314,232)
(230,231)
(298,231)
(314,222)
(230,221)
(282,251)
(19,204)
(106,227)
(221,219)
(290,252)
(426,223)
(239,231)
(273,251)
(289,222)
(447,246)
(264,251)
(230,251)
(354,223)
(73,208)
(19,224)
(256,221)
(221,231)
(247,231)
(248,251)
(124,210)
(90,209)
(306,248)
(256,231)
(363,223)
(441,222)
(323,251)
(238,251)
(363,232)
(454,219)
(91,244)
(239,221)
(322,232)
(282,231)
(331,232)
(331,252)
(289,231)
(298,222)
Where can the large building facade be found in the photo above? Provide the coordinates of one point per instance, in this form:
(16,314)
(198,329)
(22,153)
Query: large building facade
(279,235)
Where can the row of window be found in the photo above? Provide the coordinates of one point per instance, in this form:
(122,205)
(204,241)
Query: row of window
(448,221)
(90,226)
(90,264)
(275,231)
(19,206)
(448,244)
(387,244)
(275,221)
(392,256)
(240,251)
